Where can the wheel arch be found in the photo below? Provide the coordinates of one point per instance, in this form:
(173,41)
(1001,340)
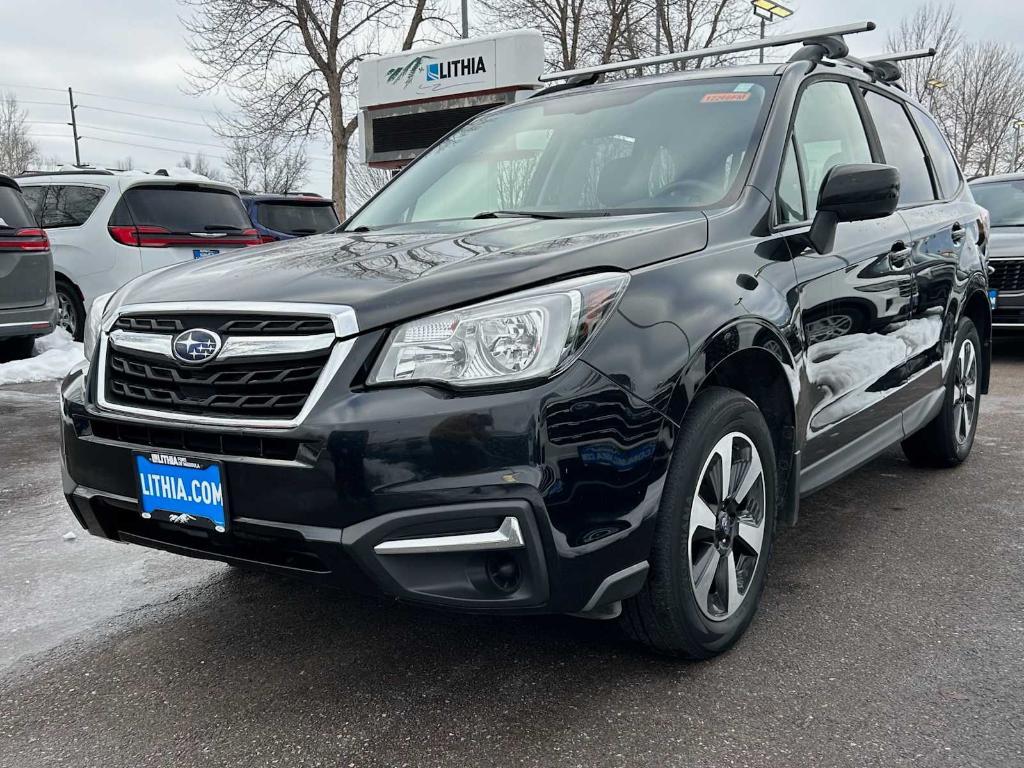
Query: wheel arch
(751,356)
(978,308)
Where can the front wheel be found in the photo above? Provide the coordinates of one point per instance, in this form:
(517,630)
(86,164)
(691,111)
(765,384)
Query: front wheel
(947,439)
(714,534)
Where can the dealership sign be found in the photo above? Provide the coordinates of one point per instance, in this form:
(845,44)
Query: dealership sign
(512,60)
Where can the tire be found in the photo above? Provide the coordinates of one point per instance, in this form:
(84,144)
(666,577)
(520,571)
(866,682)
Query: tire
(946,440)
(17,348)
(682,611)
(70,310)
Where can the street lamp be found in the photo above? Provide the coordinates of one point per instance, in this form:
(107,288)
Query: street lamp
(768,10)
(1017,125)
(932,85)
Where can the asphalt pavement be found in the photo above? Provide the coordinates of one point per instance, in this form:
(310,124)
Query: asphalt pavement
(891,633)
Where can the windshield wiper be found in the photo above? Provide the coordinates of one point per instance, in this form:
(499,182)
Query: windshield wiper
(222,228)
(519,214)
(304,231)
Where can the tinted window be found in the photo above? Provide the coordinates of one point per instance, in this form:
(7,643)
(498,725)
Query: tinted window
(34,200)
(14,214)
(828,131)
(181,208)
(1004,200)
(640,147)
(69,206)
(942,159)
(297,218)
(901,147)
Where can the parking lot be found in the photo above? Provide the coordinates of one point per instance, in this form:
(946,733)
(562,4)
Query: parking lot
(891,633)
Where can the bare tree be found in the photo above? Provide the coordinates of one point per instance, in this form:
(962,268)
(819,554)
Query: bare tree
(17,150)
(199,164)
(290,65)
(582,32)
(981,102)
(364,181)
(932,25)
(267,164)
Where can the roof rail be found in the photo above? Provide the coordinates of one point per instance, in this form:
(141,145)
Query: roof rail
(717,50)
(81,172)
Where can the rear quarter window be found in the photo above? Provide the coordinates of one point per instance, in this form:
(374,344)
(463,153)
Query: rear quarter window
(67,205)
(297,218)
(181,208)
(14,214)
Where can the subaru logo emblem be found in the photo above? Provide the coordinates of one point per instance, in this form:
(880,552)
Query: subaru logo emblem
(196,345)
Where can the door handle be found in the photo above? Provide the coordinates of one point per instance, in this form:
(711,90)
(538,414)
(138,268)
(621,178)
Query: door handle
(899,255)
(958,233)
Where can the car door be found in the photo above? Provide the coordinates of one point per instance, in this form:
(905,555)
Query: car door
(938,231)
(853,299)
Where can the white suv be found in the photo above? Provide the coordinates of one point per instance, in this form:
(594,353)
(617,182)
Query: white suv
(106,228)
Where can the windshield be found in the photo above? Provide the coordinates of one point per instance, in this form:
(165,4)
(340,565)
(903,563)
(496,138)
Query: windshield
(1004,200)
(651,147)
(297,218)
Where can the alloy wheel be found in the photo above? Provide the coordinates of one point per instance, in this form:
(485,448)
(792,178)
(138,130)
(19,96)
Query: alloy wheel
(965,391)
(829,327)
(727,524)
(65,313)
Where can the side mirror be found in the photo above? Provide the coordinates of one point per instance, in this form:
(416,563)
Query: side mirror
(853,192)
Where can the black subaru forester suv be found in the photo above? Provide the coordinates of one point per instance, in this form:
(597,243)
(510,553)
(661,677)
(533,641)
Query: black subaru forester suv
(583,356)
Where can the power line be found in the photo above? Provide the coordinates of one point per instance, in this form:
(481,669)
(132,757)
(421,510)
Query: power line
(146,117)
(115,98)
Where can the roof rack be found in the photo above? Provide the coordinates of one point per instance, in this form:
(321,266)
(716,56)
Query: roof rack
(883,66)
(718,50)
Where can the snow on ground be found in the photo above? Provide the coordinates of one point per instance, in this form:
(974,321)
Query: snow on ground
(54,356)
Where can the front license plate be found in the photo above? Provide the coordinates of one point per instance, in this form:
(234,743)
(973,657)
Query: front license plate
(202,253)
(181,490)
(993,295)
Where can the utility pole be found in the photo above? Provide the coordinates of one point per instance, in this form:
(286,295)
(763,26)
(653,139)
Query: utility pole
(1016,144)
(760,52)
(74,127)
(657,33)
(465,19)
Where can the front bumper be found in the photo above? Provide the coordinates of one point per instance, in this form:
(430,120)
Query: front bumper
(574,466)
(29,321)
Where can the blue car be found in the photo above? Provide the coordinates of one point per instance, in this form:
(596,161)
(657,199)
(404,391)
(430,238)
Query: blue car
(283,217)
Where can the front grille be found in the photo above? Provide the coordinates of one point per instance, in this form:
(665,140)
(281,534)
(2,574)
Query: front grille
(173,439)
(227,325)
(268,387)
(1008,274)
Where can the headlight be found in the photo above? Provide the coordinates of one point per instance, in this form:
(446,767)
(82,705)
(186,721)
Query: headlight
(528,335)
(92,323)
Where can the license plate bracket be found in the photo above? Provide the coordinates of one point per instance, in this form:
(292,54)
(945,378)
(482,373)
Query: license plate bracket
(184,490)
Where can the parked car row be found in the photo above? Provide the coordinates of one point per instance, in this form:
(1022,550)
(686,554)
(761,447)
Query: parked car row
(105,228)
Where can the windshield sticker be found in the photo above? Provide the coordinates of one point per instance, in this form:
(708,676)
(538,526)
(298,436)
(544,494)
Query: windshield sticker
(743,87)
(713,98)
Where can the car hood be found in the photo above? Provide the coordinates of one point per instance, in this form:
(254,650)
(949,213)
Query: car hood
(1006,241)
(407,271)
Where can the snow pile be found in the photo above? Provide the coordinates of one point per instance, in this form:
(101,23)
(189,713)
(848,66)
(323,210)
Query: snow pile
(181,172)
(54,356)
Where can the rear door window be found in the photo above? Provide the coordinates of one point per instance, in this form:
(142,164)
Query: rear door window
(34,200)
(297,217)
(67,205)
(901,147)
(181,208)
(14,214)
(943,162)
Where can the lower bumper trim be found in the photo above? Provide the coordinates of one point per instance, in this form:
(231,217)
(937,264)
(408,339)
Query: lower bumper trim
(508,536)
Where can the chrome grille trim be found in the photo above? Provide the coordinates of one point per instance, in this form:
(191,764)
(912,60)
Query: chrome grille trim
(234,346)
(345,325)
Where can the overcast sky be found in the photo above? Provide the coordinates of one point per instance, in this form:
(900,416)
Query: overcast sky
(129,57)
